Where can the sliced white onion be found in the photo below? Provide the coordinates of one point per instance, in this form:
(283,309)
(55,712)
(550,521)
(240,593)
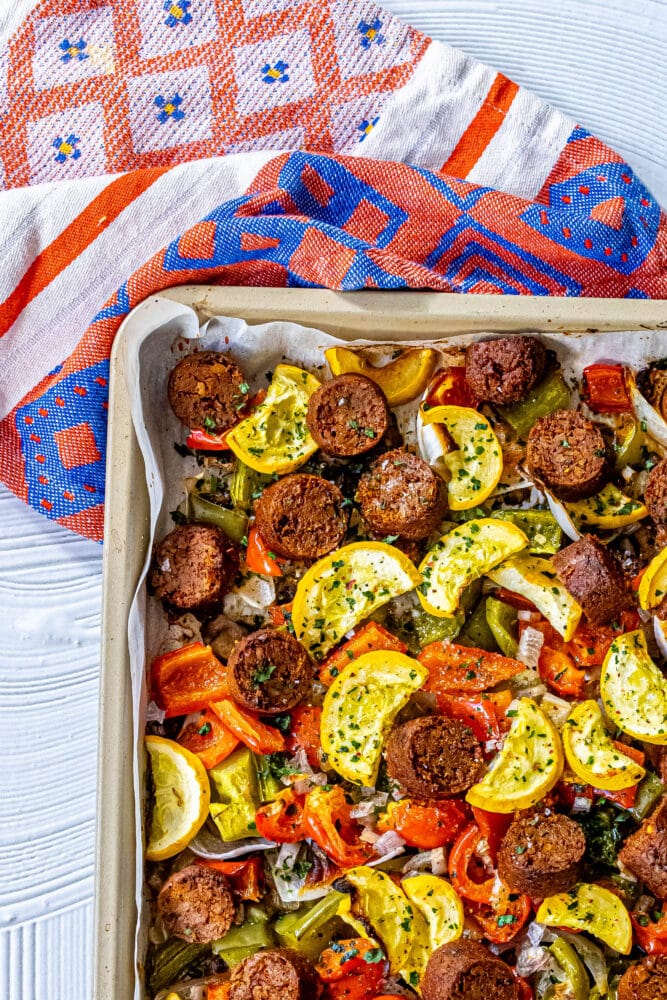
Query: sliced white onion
(557,709)
(362,809)
(660,637)
(369,836)
(253,597)
(302,762)
(389,843)
(154,714)
(417,863)
(530,959)
(565,522)
(439,861)
(644,614)
(530,646)
(433,446)
(592,957)
(289,886)
(581,804)
(656,425)
(536,933)
(209,845)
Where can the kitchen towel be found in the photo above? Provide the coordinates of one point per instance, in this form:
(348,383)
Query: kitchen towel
(138,150)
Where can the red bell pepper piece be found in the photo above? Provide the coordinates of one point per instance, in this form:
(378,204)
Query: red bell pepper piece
(282,819)
(484,713)
(326,820)
(425,825)
(280,614)
(515,600)
(201,440)
(218,991)
(493,827)
(523,986)
(187,679)
(245,875)
(605,390)
(304,732)
(650,934)
(353,968)
(450,388)
(624,797)
(453,668)
(208,739)
(461,858)
(248,728)
(558,671)
(506,916)
(370,638)
(258,556)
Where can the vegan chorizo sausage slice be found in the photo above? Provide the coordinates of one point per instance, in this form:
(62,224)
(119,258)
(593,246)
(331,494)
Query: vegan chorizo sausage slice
(567,452)
(193,568)
(465,970)
(348,415)
(541,854)
(276,974)
(645,851)
(647,980)
(504,370)
(401,495)
(269,671)
(302,516)
(433,757)
(593,575)
(196,904)
(206,390)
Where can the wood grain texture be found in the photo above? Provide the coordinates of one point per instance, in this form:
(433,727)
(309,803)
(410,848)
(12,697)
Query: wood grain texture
(602,61)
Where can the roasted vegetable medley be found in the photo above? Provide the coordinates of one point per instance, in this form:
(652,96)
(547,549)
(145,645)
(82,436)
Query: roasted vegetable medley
(407,730)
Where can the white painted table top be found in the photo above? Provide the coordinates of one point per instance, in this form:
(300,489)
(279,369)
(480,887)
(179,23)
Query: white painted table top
(602,61)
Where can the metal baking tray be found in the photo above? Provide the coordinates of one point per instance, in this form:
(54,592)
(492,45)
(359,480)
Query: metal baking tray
(401,316)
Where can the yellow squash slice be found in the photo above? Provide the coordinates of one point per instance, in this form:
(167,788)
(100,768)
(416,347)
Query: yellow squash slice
(182,794)
(401,380)
(275,438)
(474,468)
(465,554)
(527,767)
(343,588)
(386,908)
(360,707)
(593,909)
(634,691)
(653,584)
(592,755)
(535,579)
(608,509)
(442,918)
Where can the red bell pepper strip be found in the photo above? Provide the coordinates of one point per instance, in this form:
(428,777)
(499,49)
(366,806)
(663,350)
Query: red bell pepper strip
(208,739)
(258,556)
(506,916)
(624,797)
(493,827)
(484,713)
(218,991)
(201,440)
(370,638)
(557,670)
(523,986)
(425,825)
(246,876)
(353,969)
(515,600)
(248,728)
(326,820)
(450,388)
(461,858)
(280,614)
(282,819)
(605,390)
(304,732)
(453,668)
(650,934)
(187,679)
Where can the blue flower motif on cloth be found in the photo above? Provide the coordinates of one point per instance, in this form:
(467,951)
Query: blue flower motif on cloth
(67,148)
(170,110)
(177,12)
(73,50)
(367,127)
(276,73)
(370,33)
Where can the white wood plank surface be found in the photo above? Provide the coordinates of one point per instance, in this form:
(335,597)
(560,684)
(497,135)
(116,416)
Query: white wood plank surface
(603,62)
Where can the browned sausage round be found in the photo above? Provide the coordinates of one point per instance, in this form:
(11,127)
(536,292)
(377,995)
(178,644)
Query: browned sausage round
(593,575)
(655,494)
(644,853)
(278,974)
(401,495)
(193,568)
(541,855)
(302,516)
(196,905)
(347,415)
(647,980)
(504,370)
(207,390)
(433,757)
(465,970)
(568,453)
(269,671)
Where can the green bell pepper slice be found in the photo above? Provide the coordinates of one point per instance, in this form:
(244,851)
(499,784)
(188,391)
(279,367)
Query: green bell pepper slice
(573,968)
(171,960)
(234,523)
(502,621)
(310,928)
(477,632)
(549,395)
(239,942)
(648,793)
(246,485)
(540,526)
